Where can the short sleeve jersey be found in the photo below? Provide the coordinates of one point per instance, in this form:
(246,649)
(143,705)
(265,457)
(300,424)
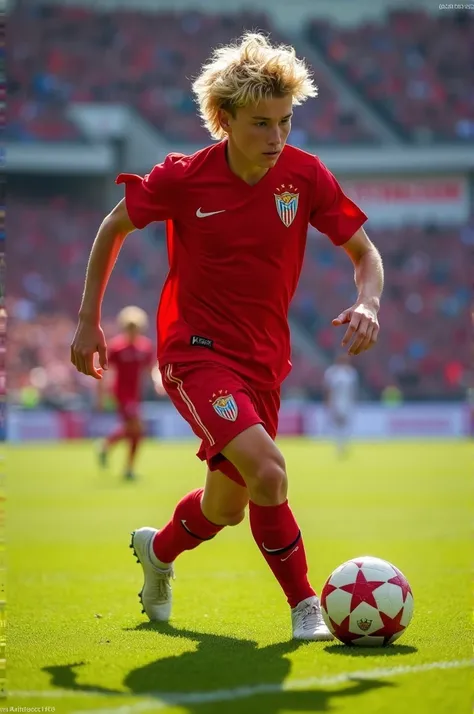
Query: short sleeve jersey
(235,253)
(129,360)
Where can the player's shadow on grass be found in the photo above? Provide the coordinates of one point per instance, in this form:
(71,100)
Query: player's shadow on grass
(64,676)
(224,663)
(390,651)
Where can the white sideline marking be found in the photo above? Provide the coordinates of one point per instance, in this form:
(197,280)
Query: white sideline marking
(161,700)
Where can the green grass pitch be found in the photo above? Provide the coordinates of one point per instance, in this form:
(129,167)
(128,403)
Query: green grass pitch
(76,640)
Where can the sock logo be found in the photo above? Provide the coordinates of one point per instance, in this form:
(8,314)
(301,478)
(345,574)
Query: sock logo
(183,523)
(289,556)
(271,550)
(280,551)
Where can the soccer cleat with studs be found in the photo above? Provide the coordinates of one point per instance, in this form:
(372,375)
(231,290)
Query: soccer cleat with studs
(155,596)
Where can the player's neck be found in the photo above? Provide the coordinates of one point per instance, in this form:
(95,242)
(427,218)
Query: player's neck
(239,166)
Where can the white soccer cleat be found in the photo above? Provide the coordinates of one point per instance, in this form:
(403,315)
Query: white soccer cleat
(155,596)
(307,621)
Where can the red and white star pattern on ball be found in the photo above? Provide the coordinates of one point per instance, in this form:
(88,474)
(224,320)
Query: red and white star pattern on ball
(367,601)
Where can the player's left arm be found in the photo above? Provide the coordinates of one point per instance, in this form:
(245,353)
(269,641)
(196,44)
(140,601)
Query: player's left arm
(363,326)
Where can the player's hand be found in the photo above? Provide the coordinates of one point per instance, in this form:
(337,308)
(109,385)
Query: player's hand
(89,339)
(363,329)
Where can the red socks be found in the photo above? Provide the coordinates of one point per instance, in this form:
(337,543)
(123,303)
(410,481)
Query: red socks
(187,529)
(273,527)
(277,535)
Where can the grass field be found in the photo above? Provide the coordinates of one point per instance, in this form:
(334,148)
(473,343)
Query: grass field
(76,639)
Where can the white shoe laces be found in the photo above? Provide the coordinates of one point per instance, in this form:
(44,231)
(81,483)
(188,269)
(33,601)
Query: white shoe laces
(158,587)
(309,617)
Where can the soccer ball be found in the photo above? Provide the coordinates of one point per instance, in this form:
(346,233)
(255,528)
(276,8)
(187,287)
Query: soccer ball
(367,601)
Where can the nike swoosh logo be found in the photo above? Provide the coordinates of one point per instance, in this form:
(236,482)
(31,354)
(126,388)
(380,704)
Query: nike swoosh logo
(289,556)
(200,213)
(271,550)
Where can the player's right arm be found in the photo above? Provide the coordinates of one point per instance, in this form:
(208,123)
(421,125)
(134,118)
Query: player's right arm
(150,198)
(89,337)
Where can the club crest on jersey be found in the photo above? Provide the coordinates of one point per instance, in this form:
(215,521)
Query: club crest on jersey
(287,203)
(224,405)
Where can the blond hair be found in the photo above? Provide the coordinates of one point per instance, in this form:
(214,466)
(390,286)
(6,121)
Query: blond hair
(246,72)
(132,315)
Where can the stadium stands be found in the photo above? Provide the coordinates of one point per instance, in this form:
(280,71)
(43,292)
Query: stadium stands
(426,289)
(416,68)
(424,312)
(62,54)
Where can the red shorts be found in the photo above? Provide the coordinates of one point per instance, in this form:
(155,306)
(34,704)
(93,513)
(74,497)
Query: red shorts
(128,409)
(219,404)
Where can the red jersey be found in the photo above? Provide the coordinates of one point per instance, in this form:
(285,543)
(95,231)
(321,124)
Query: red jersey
(129,359)
(235,253)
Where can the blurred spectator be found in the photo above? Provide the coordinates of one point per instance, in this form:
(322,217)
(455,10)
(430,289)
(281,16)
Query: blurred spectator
(391,396)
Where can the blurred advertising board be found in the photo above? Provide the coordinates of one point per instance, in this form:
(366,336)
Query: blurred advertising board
(368,421)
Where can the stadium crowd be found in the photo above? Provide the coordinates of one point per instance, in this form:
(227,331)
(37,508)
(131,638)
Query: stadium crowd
(426,287)
(415,67)
(63,54)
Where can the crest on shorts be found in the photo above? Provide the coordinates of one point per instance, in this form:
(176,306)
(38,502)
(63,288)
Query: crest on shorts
(224,405)
(287,203)
(364,624)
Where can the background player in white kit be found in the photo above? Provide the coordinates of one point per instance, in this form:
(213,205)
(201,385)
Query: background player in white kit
(341,385)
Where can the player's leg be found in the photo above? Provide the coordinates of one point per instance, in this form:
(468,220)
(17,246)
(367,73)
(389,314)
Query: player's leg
(134,435)
(346,434)
(338,426)
(224,500)
(341,432)
(274,527)
(197,518)
(193,390)
(118,434)
(223,410)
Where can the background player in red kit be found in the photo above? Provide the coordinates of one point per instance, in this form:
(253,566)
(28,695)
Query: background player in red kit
(237,215)
(131,355)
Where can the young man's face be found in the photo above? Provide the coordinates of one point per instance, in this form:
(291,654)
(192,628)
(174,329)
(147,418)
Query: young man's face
(259,131)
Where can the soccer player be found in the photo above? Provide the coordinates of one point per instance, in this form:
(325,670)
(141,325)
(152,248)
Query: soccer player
(237,215)
(340,385)
(131,355)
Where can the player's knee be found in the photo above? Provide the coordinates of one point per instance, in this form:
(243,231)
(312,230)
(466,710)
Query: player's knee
(270,480)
